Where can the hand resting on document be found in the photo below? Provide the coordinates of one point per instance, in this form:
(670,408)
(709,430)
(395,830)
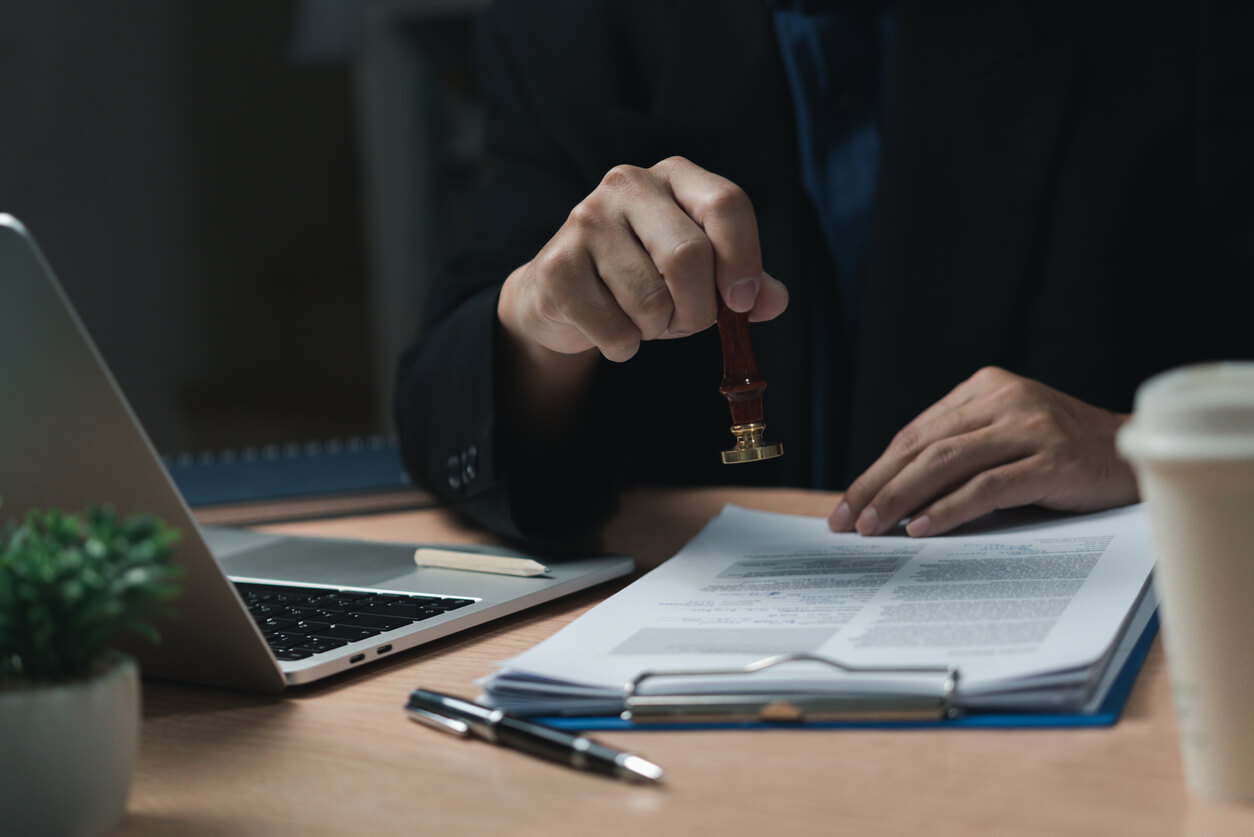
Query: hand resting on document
(996,441)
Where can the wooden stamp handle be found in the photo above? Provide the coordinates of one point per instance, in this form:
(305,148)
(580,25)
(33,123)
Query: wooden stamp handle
(742,383)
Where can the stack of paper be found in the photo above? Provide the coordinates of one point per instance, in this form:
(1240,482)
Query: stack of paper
(1030,610)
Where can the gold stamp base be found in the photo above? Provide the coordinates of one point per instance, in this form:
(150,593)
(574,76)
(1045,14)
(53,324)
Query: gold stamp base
(750,446)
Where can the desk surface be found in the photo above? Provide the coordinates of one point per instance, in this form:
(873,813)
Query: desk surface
(342,758)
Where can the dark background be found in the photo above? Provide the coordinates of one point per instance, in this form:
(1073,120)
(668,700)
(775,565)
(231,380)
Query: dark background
(210,185)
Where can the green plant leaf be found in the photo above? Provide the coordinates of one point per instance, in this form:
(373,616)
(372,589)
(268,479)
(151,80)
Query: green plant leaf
(69,583)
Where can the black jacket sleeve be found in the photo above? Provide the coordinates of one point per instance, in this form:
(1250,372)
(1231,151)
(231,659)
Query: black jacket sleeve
(453,437)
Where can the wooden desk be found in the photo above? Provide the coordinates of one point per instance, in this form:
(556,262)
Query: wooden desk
(342,758)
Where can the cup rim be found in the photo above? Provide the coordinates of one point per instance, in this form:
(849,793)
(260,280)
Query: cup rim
(1135,444)
(1217,398)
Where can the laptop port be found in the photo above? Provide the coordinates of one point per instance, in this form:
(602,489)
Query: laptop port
(357,658)
(383,649)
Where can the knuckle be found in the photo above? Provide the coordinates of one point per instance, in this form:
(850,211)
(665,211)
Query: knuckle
(991,371)
(856,494)
(655,300)
(988,485)
(988,376)
(906,439)
(689,255)
(888,502)
(586,215)
(689,320)
(725,198)
(653,310)
(1039,424)
(1016,387)
(675,161)
(623,178)
(941,455)
(1012,396)
(555,264)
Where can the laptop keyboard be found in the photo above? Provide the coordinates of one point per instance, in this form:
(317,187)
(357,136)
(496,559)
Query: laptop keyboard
(299,622)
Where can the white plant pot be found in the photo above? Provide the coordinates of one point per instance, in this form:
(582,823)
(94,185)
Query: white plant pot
(67,752)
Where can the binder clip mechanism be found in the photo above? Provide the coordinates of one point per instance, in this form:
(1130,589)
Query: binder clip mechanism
(792,706)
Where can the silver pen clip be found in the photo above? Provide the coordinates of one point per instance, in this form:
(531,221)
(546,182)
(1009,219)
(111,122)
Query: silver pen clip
(440,722)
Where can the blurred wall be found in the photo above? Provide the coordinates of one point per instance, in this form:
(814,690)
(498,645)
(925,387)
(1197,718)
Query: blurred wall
(196,188)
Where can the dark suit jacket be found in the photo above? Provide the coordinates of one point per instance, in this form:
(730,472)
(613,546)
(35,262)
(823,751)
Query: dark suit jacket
(1065,191)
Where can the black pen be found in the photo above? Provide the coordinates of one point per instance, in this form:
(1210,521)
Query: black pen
(463,717)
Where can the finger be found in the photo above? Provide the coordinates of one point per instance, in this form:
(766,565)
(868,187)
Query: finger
(1018,483)
(598,316)
(725,213)
(677,298)
(584,304)
(632,279)
(772,299)
(661,271)
(971,398)
(982,382)
(946,463)
(913,439)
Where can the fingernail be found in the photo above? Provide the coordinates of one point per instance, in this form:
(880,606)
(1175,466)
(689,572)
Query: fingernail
(841,519)
(868,521)
(743,294)
(918,526)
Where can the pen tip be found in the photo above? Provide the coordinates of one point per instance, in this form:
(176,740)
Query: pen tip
(634,767)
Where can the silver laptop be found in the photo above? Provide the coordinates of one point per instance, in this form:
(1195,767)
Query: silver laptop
(69,439)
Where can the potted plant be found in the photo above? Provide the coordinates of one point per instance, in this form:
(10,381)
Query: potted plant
(69,705)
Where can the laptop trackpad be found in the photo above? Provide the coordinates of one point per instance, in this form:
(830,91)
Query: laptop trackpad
(317,561)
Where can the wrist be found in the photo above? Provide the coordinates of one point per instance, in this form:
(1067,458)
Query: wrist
(542,388)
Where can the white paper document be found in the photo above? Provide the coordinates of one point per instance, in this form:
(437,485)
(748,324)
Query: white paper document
(1030,614)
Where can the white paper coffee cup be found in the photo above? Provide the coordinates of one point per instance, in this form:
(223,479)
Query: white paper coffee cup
(1191,443)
